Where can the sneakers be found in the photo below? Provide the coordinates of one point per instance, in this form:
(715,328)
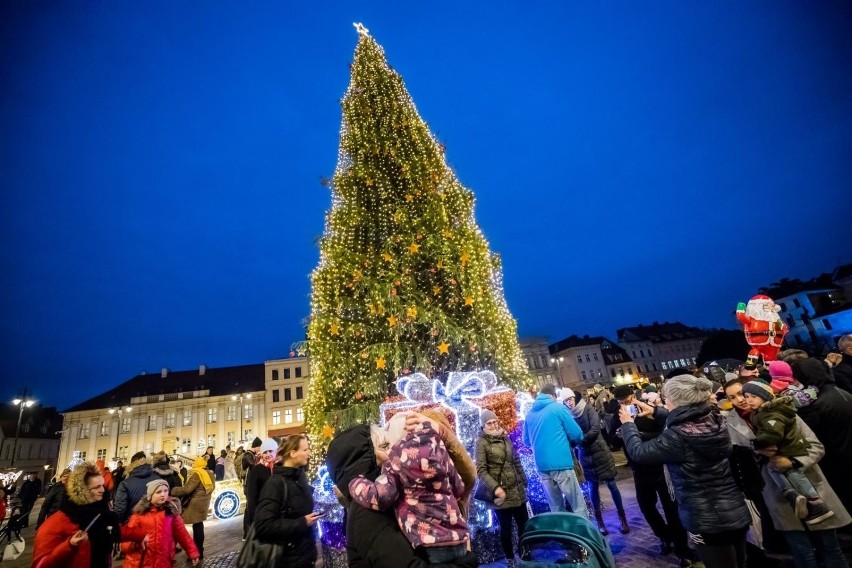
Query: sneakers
(798,502)
(817,511)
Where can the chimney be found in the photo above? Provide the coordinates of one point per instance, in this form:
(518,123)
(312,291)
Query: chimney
(202,369)
(164,372)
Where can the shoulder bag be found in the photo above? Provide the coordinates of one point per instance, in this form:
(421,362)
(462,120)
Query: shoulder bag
(258,554)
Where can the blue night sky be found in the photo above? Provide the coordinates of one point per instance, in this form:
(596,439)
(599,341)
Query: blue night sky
(632,162)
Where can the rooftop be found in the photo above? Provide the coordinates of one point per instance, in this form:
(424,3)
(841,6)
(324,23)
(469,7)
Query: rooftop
(660,332)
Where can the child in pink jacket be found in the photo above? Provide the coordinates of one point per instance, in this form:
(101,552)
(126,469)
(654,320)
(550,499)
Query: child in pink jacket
(420,480)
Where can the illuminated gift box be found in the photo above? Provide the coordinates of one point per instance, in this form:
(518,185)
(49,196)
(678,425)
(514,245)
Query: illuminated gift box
(461,400)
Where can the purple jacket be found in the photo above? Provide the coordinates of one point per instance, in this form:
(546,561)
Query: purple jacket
(420,480)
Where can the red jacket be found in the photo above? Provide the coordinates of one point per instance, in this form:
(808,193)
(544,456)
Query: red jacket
(162,530)
(53,548)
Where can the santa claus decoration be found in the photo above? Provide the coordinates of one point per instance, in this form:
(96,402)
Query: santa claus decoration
(763,327)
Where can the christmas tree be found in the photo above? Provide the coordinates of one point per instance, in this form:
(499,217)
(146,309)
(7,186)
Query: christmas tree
(406,281)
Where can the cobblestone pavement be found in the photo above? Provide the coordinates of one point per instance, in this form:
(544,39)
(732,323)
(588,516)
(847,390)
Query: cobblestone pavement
(638,549)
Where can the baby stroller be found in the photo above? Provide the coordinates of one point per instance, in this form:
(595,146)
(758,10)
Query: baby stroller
(11,542)
(562,540)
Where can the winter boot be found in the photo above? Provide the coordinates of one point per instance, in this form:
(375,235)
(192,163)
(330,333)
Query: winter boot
(624,526)
(817,511)
(601,525)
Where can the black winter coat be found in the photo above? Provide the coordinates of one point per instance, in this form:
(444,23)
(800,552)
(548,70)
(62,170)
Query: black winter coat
(695,447)
(843,373)
(373,540)
(283,522)
(132,489)
(257,477)
(51,502)
(598,463)
(830,417)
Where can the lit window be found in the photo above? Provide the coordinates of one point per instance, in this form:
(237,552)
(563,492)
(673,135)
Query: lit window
(125,425)
(288,416)
(665,367)
(211,415)
(300,415)
(102,454)
(248,411)
(152,422)
(187,418)
(276,417)
(170,420)
(85,429)
(104,429)
(232,412)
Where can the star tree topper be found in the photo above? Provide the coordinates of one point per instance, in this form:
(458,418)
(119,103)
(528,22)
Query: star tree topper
(361,29)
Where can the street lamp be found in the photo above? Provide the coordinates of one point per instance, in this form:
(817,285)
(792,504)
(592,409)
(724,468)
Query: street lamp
(556,361)
(118,430)
(21,403)
(240,397)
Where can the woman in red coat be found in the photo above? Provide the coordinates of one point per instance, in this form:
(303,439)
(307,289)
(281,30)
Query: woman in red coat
(82,533)
(153,530)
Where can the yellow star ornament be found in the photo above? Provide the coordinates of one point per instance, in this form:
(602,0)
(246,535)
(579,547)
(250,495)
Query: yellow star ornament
(413,247)
(443,348)
(468,301)
(334,329)
(328,431)
(391,321)
(465,258)
(411,312)
(380,363)
(387,257)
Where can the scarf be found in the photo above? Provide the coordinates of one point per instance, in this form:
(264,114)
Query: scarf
(199,468)
(579,407)
(102,535)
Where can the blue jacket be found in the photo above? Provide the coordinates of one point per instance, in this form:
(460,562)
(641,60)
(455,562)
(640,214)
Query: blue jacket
(132,488)
(548,429)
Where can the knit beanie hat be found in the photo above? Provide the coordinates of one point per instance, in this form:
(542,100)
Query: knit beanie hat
(549,388)
(152,486)
(268,444)
(622,391)
(759,388)
(256,443)
(782,376)
(485,416)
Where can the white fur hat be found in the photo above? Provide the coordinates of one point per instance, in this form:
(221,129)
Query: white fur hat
(268,444)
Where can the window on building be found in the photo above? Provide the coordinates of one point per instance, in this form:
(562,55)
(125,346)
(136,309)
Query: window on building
(579,358)
(650,354)
(248,434)
(211,441)
(276,417)
(232,412)
(286,373)
(665,367)
(186,445)
(85,430)
(274,395)
(300,415)
(104,429)
(612,372)
(152,422)
(647,368)
(584,374)
(588,359)
(82,455)
(231,436)
(274,374)
(826,323)
(248,411)
(187,418)
(300,393)
(782,306)
(298,372)
(654,365)
(634,353)
(202,447)
(288,394)
(595,355)
(796,303)
(212,415)
(123,452)
(641,353)
(125,425)
(288,416)
(102,454)
(170,420)
(790,321)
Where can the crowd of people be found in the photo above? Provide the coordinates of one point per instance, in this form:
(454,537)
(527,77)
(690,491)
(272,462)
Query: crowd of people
(740,460)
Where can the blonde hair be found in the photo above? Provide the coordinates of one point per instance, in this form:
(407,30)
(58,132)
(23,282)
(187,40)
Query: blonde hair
(290,444)
(379,437)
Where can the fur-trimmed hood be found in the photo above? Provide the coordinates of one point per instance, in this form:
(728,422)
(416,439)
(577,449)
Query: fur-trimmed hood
(161,470)
(134,464)
(76,488)
(172,506)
